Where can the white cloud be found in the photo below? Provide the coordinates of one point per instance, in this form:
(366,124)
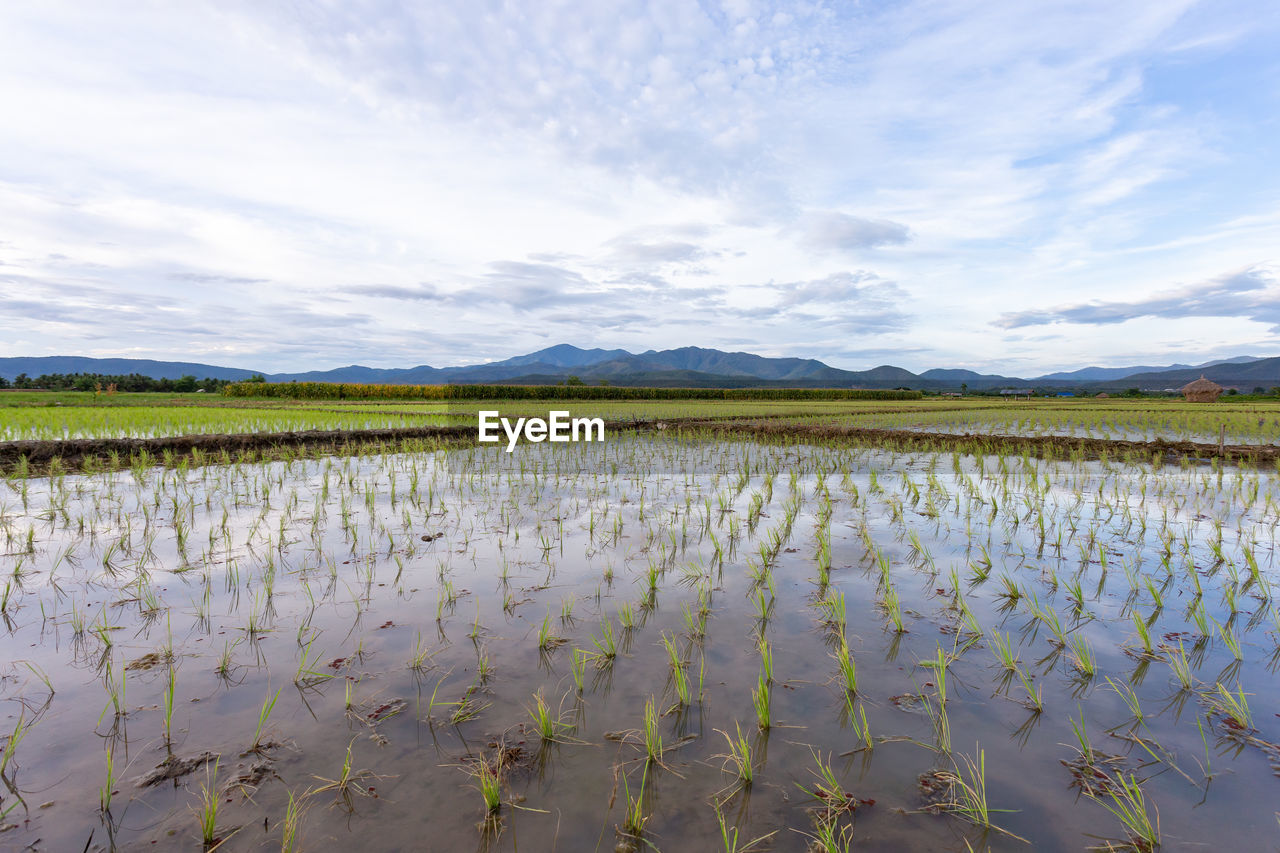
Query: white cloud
(619,175)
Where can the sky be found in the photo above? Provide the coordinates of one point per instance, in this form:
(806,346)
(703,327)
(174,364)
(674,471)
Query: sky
(1000,186)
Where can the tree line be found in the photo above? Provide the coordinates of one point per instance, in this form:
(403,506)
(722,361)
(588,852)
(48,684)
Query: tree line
(101,382)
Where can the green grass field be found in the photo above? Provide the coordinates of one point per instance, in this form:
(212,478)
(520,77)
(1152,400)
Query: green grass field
(53,416)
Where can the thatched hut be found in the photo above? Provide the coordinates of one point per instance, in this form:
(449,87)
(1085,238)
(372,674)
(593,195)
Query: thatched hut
(1202,391)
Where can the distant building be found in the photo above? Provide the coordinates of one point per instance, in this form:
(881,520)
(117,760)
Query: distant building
(1103,396)
(1015,392)
(1202,390)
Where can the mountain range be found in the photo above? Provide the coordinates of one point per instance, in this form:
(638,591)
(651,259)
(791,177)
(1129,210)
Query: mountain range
(685,367)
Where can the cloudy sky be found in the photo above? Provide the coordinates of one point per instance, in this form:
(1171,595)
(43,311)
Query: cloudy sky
(1000,185)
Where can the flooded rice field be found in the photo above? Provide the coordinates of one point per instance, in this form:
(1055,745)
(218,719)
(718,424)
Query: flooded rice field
(650,643)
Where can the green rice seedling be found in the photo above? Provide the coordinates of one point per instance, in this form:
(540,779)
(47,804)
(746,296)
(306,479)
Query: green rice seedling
(170,689)
(578,667)
(1231,641)
(1081,656)
(1083,744)
(264,713)
(1144,634)
(970,789)
(848,668)
(291,826)
(980,568)
(1035,697)
(548,727)
(652,737)
(1232,707)
(634,817)
(307,674)
(830,836)
(738,759)
(1125,800)
(626,616)
(827,790)
(547,640)
(1181,667)
(939,666)
(421,658)
(490,783)
(860,728)
(1009,590)
(606,645)
(207,813)
(348,782)
(1130,699)
(729,836)
(1200,616)
(106,791)
(766,658)
(760,699)
(1003,646)
(893,609)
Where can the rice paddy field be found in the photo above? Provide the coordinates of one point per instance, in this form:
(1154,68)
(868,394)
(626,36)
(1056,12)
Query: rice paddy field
(671,640)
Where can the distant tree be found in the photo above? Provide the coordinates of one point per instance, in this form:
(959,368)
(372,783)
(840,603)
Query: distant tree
(257,377)
(22,381)
(574,380)
(4,383)
(1259,390)
(604,382)
(964,387)
(1133,392)
(1231,392)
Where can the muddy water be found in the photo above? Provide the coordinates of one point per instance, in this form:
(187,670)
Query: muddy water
(325,560)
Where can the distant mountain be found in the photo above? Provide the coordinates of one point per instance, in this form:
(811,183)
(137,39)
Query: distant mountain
(1104,374)
(1262,372)
(685,366)
(33,367)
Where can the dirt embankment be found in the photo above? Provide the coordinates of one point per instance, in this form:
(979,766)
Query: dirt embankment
(89,454)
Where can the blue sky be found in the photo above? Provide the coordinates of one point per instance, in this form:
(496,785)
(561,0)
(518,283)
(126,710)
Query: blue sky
(1019,187)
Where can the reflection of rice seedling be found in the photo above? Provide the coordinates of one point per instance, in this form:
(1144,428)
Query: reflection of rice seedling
(1126,801)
